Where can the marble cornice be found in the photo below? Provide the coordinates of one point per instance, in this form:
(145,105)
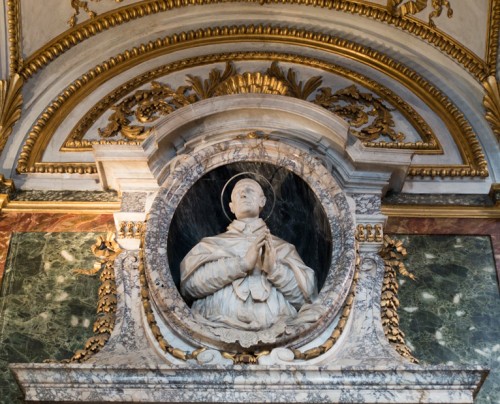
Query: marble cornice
(438,211)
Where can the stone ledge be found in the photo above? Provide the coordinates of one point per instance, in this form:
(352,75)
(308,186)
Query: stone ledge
(248,384)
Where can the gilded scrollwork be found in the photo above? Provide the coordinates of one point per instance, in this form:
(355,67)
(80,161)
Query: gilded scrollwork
(393,254)
(11,102)
(401,8)
(106,250)
(491,104)
(362,110)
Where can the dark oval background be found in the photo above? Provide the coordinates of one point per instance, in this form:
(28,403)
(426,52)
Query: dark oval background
(298,217)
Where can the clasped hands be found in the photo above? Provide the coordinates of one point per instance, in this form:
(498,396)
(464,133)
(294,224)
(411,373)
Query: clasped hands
(262,251)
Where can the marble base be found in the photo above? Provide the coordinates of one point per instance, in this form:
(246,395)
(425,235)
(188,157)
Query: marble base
(255,384)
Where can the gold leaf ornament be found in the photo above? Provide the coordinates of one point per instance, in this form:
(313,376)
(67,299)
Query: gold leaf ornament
(491,103)
(11,101)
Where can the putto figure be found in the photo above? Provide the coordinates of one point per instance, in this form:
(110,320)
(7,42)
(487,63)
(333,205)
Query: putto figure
(246,278)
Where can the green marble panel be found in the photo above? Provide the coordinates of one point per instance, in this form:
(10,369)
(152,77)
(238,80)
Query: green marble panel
(46,310)
(451,313)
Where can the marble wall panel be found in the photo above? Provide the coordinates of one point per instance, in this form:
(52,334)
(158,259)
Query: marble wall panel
(451,313)
(47,222)
(46,310)
(488,227)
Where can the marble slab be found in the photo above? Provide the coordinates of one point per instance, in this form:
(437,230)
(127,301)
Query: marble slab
(75,196)
(243,384)
(46,310)
(451,312)
(438,199)
(47,222)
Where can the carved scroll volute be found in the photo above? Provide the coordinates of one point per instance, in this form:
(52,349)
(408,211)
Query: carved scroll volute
(11,101)
(491,103)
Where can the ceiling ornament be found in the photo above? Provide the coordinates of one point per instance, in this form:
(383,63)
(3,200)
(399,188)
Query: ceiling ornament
(411,7)
(77,5)
(372,118)
(474,163)
(11,102)
(491,103)
(59,45)
(493,36)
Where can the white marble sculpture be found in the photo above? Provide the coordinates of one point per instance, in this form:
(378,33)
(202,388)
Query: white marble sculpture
(246,278)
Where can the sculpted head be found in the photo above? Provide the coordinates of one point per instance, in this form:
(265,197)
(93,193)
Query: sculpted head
(247,199)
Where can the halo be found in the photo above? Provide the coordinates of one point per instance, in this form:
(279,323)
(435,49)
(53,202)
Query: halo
(250,174)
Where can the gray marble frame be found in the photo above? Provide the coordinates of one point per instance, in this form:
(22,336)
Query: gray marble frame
(173,310)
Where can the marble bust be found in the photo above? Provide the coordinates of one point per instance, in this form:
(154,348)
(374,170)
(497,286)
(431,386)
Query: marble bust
(246,278)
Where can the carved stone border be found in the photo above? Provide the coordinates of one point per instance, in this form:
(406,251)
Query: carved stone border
(164,294)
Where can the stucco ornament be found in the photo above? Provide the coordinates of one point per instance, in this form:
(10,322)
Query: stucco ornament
(246,278)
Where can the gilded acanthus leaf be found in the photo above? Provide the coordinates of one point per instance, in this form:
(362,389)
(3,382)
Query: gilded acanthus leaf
(295,88)
(412,7)
(491,103)
(360,109)
(206,88)
(11,101)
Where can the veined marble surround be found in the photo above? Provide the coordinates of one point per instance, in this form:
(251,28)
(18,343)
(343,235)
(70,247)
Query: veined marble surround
(361,367)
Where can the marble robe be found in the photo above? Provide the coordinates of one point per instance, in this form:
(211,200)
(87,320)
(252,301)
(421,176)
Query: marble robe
(225,295)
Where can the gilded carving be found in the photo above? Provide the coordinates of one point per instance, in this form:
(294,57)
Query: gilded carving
(369,233)
(475,65)
(411,7)
(130,229)
(11,102)
(106,249)
(493,36)
(393,254)
(14,24)
(470,149)
(77,5)
(491,103)
(355,106)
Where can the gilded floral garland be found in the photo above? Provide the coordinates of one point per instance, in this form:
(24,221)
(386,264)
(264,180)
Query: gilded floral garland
(393,254)
(106,249)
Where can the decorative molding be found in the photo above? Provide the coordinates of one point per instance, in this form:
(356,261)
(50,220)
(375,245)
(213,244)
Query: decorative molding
(75,141)
(492,212)
(107,250)
(393,254)
(11,102)
(474,165)
(14,27)
(491,103)
(415,6)
(493,38)
(477,67)
(61,207)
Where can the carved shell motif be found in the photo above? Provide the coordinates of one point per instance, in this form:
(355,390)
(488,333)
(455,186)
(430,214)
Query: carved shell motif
(252,83)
